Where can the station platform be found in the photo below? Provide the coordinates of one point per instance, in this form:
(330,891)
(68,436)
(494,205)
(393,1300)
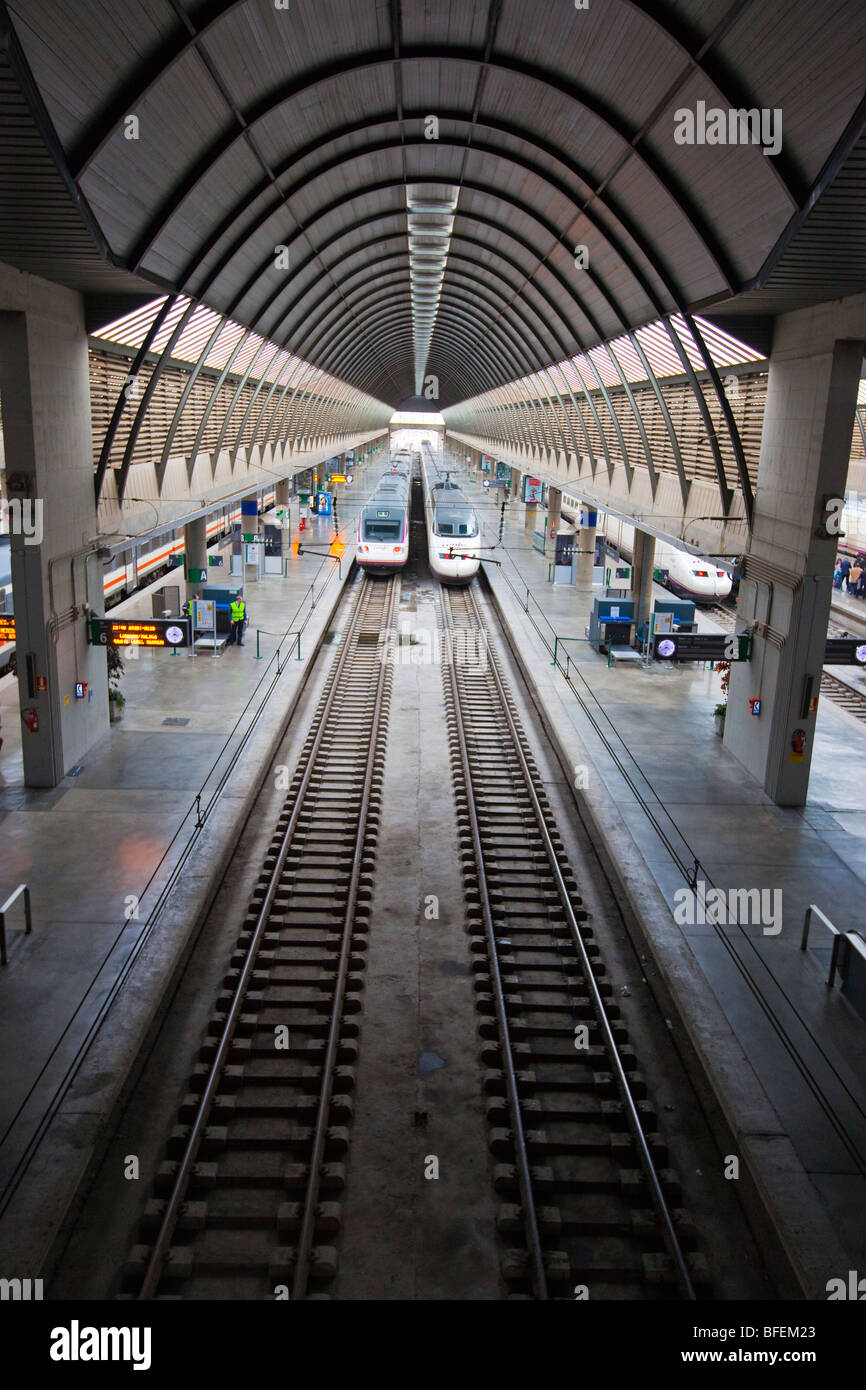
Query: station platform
(663,795)
(154,806)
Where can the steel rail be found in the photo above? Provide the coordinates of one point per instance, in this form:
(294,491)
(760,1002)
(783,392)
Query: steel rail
(158,1255)
(305,1239)
(667,1225)
(524,1177)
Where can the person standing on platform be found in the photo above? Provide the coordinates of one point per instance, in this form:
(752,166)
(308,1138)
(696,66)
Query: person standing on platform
(845,567)
(854,577)
(239,619)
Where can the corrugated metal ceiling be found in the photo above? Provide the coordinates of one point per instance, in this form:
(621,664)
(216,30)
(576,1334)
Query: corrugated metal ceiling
(195,137)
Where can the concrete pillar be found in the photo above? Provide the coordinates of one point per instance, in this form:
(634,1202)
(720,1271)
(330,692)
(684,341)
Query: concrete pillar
(282,493)
(45,388)
(516,483)
(554,515)
(811,397)
(643,561)
(195,554)
(586,546)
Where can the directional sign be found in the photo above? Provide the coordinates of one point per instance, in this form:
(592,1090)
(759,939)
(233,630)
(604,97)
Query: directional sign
(7,628)
(159,632)
(703,646)
(838,651)
(196,576)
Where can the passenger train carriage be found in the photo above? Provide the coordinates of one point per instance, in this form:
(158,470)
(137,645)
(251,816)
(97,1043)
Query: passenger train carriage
(383,524)
(453,531)
(691,576)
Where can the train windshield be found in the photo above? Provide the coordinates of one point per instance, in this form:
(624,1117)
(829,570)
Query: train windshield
(376,529)
(455,521)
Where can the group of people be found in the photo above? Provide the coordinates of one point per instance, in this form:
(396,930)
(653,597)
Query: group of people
(851,577)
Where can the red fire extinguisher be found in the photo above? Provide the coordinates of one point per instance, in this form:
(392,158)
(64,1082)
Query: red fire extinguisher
(798,740)
(31,719)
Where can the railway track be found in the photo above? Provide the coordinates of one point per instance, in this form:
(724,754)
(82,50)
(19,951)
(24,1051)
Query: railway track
(589,1204)
(844,695)
(247,1203)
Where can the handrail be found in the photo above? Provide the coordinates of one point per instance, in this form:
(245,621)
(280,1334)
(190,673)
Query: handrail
(850,938)
(28,920)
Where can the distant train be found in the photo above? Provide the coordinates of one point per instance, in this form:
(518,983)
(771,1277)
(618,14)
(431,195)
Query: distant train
(383,523)
(691,576)
(453,532)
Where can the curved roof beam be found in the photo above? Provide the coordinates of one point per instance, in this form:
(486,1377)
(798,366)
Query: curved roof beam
(385,315)
(664,177)
(487,298)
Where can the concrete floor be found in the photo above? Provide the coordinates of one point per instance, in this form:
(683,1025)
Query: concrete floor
(659,723)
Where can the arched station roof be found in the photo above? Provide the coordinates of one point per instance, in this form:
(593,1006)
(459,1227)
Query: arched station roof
(430,167)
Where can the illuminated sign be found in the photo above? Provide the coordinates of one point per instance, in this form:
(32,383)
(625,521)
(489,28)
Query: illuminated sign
(338,478)
(7,628)
(703,646)
(838,651)
(158,632)
(532,489)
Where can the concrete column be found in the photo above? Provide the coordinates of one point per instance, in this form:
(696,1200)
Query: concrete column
(516,483)
(643,561)
(195,554)
(45,387)
(554,515)
(811,397)
(586,546)
(282,493)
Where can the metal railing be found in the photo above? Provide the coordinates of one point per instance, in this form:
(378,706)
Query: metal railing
(847,940)
(28,920)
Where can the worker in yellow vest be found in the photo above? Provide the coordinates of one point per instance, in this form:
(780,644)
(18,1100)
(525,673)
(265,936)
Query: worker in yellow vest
(239,618)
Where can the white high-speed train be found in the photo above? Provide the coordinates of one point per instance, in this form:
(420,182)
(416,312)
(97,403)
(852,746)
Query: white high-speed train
(383,524)
(453,532)
(691,576)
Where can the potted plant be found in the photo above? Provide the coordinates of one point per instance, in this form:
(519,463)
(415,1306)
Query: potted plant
(116,698)
(721,709)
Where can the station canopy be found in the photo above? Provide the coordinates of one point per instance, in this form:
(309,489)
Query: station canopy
(425,196)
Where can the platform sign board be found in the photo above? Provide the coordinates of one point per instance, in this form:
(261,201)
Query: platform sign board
(703,646)
(157,633)
(532,489)
(215,561)
(840,651)
(7,628)
(196,576)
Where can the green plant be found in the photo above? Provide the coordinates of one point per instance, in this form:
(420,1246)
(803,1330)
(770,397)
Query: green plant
(115,671)
(721,709)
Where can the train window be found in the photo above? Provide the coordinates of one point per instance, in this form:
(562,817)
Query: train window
(381,530)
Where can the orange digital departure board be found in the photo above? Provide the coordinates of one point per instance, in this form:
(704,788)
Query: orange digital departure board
(7,628)
(157,632)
